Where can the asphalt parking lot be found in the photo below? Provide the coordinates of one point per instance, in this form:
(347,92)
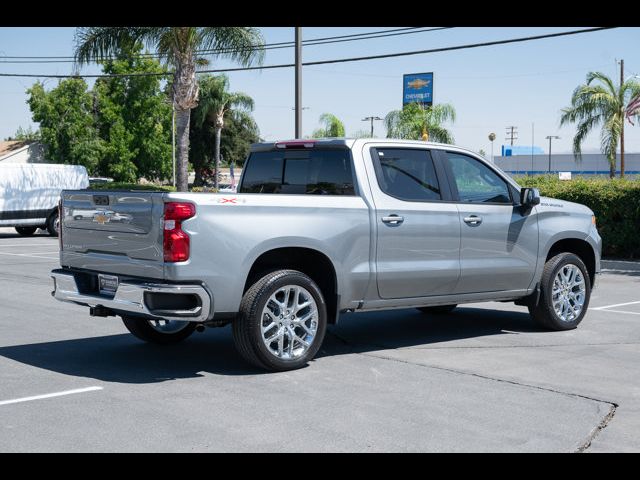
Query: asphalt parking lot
(480,379)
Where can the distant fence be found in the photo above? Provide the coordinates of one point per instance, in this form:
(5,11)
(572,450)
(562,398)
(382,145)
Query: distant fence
(591,164)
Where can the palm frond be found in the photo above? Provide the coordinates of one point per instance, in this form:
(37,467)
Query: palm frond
(591,76)
(241,44)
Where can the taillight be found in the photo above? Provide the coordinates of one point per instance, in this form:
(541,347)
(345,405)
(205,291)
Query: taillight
(296,144)
(175,241)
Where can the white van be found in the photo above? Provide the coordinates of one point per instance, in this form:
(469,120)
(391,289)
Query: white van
(29,194)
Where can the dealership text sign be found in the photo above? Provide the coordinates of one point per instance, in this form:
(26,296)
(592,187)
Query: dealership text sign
(417,88)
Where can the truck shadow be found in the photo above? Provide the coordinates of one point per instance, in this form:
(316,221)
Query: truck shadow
(124,359)
(38,234)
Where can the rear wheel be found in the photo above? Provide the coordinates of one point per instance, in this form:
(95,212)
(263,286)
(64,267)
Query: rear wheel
(161,332)
(282,321)
(26,231)
(438,310)
(565,290)
(53,224)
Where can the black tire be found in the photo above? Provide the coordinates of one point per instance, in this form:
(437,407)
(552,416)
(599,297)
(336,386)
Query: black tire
(53,225)
(247,333)
(438,310)
(26,231)
(142,329)
(544,314)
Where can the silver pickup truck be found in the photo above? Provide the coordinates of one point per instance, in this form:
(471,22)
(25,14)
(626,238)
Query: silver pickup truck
(322,227)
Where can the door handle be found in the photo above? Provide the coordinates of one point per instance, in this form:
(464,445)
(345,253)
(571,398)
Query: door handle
(393,219)
(473,220)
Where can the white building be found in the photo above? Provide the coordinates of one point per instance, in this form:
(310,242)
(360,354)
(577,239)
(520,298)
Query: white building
(16,151)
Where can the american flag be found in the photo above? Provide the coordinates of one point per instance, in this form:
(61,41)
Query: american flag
(633,108)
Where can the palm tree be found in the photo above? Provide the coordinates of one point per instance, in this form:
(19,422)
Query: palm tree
(178,47)
(415,122)
(215,103)
(601,104)
(333,127)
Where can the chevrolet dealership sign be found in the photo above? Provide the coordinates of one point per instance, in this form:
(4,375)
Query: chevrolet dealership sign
(417,88)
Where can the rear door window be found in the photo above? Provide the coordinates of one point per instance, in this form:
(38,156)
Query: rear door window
(312,172)
(407,174)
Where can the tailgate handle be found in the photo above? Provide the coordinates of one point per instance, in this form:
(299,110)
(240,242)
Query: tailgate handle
(101,199)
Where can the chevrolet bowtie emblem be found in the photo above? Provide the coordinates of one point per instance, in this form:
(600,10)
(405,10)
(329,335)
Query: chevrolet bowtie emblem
(101,218)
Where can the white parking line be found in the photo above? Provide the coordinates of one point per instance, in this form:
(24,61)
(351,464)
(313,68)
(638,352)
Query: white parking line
(49,395)
(621,311)
(616,305)
(32,255)
(30,245)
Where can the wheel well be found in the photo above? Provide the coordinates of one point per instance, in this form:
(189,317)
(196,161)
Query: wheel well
(306,260)
(579,248)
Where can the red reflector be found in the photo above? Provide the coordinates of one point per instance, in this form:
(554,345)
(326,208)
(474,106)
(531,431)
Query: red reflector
(176,246)
(296,144)
(175,243)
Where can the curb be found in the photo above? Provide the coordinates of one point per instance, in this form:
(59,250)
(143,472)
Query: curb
(622,265)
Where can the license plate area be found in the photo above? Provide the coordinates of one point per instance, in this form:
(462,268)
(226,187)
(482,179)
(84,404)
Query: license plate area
(107,284)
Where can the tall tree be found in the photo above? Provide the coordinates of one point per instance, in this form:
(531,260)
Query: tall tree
(415,122)
(600,102)
(240,131)
(333,127)
(216,102)
(179,47)
(67,123)
(134,118)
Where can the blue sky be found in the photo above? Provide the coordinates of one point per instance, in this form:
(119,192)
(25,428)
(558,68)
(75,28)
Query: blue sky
(490,87)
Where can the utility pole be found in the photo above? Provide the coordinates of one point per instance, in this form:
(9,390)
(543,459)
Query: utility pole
(549,137)
(365,119)
(513,134)
(298,83)
(622,131)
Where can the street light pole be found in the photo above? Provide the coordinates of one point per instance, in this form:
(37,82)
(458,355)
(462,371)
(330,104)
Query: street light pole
(365,119)
(492,137)
(550,137)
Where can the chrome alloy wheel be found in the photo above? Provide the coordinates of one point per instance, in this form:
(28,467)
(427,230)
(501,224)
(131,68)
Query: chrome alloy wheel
(168,326)
(289,322)
(568,294)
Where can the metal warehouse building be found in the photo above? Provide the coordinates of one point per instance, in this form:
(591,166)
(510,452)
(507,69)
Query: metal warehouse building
(591,164)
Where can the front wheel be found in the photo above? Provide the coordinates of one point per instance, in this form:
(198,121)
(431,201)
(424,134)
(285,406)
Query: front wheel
(565,290)
(161,332)
(53,224)
(26,231)
(282,321)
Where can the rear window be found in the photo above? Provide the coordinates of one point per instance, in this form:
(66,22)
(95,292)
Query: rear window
(299,172)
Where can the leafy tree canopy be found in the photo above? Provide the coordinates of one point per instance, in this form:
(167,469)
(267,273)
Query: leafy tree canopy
(120,129)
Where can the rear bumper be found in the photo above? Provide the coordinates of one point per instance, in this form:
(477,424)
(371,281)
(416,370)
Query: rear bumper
(132,298)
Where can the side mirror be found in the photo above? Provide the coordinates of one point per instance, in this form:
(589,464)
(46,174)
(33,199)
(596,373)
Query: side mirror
(529,197)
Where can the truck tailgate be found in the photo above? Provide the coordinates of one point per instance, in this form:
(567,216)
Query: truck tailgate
(114,232)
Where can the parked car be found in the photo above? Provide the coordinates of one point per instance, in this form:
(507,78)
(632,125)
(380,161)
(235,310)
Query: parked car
(29,194)
(323,227)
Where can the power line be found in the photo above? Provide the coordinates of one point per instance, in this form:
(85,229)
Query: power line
(271,46)
(326,62)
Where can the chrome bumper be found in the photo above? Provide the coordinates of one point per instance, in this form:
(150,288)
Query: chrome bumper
(129,298)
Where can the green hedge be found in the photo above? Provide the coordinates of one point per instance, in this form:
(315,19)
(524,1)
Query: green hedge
(616,204)
(149,186)
(130,186)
